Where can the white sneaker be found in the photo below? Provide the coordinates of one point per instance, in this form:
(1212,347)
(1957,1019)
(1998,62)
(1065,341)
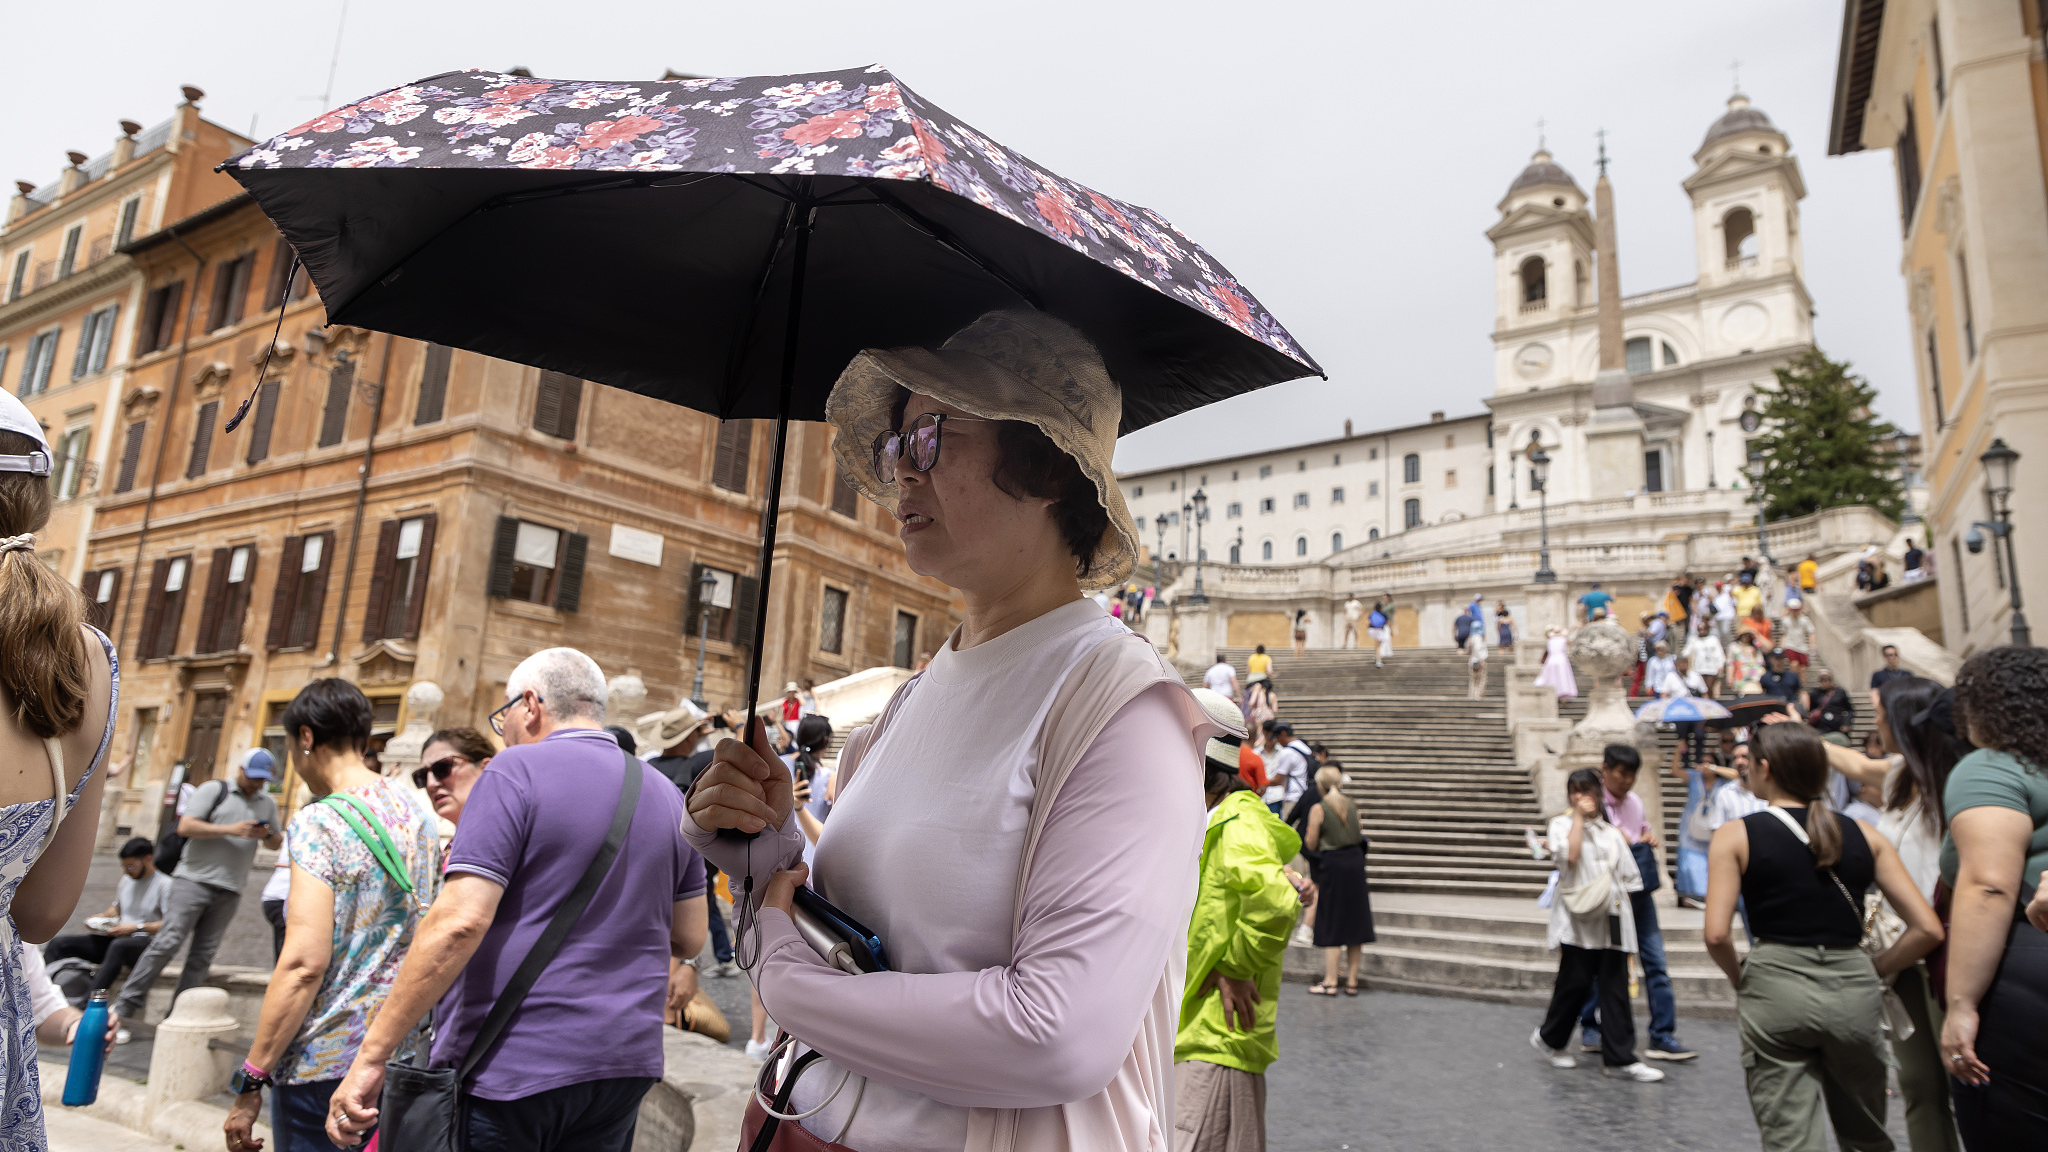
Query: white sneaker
(1304,937)
(723,968)
(1639,1072)
(759,1050)
(1558,1057)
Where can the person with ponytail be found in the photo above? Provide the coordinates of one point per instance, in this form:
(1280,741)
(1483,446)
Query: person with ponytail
(1808,997)
(1992,862)
(59,684)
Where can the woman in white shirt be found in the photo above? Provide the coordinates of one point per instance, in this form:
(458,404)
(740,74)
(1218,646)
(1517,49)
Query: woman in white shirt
(1594,931)
(1708,656)
(985,826)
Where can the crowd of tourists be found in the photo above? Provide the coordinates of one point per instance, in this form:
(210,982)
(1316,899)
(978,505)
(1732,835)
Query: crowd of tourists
(1080,979)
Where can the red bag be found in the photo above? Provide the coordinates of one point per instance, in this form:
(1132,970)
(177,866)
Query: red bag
(760,1132)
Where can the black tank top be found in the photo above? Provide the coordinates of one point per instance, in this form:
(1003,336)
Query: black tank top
(1792,902)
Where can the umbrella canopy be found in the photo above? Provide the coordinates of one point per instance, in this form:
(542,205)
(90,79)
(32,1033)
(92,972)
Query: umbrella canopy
(638,233)
(1678,709)
(1749,712)
(729,244)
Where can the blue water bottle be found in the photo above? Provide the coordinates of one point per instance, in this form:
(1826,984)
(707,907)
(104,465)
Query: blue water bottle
(88,1053)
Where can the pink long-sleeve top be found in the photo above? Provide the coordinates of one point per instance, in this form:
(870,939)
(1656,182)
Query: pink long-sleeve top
(923,847)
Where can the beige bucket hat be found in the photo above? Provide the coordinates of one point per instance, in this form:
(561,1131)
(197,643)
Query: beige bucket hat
(1007,365)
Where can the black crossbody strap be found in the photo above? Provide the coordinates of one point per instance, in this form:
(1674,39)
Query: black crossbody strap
(565,918)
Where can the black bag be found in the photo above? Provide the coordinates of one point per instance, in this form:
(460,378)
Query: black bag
(1646,863)
(421,1109)
(170,847)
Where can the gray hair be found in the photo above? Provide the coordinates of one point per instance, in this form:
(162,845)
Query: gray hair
(567,681)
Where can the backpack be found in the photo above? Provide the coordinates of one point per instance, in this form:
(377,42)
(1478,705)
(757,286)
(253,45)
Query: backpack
(1378,619)
(73,977)
(170,847)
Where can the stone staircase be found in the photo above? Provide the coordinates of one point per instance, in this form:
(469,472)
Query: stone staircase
(1444,806)
(1433,772)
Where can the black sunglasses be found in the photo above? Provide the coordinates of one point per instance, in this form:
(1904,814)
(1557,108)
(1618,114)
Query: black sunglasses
(917,445)
(439,769)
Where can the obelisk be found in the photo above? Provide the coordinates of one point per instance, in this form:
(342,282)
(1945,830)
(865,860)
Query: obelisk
(1614,434)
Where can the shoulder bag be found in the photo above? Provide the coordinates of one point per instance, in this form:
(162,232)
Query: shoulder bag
(1595,896)
(1880,932)
(421,1109)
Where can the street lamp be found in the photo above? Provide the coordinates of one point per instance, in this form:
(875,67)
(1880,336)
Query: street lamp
(1159,553)
(1539,477)
(1756,493)
(707,587)
(1199,505)
(1998,461)
(1512,455)
(1237,549)
(1710,459)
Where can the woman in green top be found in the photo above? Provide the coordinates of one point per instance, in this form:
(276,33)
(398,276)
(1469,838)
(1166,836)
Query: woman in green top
(1997,804)
(1244,909)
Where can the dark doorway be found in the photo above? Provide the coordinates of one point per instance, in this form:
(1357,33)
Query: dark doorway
(906,640)
(202,739)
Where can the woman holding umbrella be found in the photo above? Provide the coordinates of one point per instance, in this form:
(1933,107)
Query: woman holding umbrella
(1045,966)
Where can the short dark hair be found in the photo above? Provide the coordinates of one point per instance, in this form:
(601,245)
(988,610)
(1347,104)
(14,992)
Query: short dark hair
(624,736)
(1887,648)
(336,711)
(1584,780)
(1030,466)
(1258,647)
(137,846)
(1622,756)
(1280,726)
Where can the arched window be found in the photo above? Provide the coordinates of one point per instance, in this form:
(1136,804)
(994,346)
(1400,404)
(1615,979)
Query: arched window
(1301,545)
(1411,513)
(1411,469)
(1372,533)
(1738,234)
(1670,353)
(1534,290)
(1336,541)
(1235,551)
(1636,354)
(1266,550)
(1578,282)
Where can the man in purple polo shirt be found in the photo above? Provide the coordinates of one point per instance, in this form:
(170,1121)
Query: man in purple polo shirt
(570,1068)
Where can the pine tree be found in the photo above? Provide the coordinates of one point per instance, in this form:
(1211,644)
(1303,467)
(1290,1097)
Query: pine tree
(1823,447)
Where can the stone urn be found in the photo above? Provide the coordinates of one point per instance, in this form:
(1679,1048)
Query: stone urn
(1602,653)
(402,752)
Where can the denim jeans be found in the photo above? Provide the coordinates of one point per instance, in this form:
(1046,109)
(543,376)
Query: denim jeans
(1656,978)
(594,1116)
(298,1116)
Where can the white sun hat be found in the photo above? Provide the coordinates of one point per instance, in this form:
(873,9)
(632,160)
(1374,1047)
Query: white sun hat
(15,417)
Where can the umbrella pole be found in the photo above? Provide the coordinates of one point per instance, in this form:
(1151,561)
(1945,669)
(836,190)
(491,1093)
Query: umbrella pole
(805,213)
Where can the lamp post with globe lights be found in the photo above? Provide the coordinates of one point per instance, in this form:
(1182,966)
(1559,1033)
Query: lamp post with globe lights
(1756,494)
(1539,478)
(707,587)
(1198,505)
(1159,553)
(1998,461)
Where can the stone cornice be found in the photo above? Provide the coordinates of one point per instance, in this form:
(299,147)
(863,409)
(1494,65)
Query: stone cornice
(107,274)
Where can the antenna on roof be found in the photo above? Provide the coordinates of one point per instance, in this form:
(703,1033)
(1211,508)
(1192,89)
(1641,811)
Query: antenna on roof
(1735,73)
(1540,144)
(1602,134)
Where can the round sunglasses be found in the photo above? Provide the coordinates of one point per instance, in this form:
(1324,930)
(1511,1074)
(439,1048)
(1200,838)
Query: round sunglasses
(917,445)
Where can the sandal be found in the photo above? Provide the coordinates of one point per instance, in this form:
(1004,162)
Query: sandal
(1351,989)
(1321,989)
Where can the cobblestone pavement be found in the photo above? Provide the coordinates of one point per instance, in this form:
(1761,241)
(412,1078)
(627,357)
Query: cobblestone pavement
(1388,1070)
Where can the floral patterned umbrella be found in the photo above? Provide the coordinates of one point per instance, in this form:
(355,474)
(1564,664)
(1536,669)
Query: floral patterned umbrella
(729,244)
(644,234)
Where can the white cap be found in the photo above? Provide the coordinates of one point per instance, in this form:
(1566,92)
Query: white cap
(1225,714)
(15,417)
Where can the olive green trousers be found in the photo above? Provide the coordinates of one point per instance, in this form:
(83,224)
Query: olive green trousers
(1812,1034)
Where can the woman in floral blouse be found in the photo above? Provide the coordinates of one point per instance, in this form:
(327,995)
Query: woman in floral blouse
(365,864)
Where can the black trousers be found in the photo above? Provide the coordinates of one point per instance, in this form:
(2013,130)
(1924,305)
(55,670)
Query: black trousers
(273,911)
(2012,1110)
(594,1116)
(1578,970)
(113,954)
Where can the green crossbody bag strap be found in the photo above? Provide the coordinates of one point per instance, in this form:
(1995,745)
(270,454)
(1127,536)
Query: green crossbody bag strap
(373,835)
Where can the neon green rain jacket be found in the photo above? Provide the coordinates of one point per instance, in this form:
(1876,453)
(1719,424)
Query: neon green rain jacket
(1244,911)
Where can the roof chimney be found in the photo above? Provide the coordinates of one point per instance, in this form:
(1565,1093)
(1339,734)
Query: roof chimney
(1347,428)
(193,95)
(73,176)
(1436,417)
(124,145)
(18,207)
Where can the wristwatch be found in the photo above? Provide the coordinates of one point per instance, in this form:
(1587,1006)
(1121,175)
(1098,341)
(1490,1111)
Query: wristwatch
(692,962)
(248,1078)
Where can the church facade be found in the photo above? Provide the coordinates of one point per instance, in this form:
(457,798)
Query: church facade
(1641,404)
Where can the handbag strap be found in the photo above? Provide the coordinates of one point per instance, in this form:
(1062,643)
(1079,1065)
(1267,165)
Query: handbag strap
(371,830)
(565,918)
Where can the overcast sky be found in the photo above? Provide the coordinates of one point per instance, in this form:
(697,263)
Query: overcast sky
(1343,159)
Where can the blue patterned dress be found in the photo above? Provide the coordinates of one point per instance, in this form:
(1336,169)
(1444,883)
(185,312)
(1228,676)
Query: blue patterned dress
(23,830)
